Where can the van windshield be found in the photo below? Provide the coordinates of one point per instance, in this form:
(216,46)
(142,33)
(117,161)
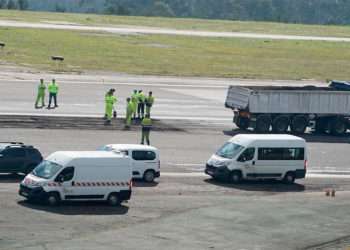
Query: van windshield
(229,150)
(46,169)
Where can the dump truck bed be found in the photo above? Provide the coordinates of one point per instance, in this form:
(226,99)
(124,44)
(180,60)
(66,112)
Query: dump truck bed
(274,99)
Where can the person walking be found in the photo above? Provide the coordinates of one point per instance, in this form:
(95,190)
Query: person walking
(53,91)
(110,100)
(41,95)
(146,129)
(149,103)
(129,111)
(134,100)
(141,105)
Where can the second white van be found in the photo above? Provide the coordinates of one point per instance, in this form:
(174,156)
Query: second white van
(80,176)
(257,156)
(144,159)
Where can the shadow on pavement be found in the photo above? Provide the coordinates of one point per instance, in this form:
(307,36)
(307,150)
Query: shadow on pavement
(78,208)
(265,186)
(11,178)
(309,137)
(139,183)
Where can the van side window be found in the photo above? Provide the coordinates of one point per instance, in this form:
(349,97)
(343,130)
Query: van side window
(247,155)
(66,174)
(140,155)
(284,154)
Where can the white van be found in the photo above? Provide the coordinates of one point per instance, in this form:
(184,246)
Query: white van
(257,156)
(144,159)
(77,175)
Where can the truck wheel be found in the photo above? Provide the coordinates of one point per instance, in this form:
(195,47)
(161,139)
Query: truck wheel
(321,126)
(280,124)
(149,176)
(289,178)
(113,199)
(299,124)
(263,123)
(235,177)
(53,199)
(242,123)
(338,126)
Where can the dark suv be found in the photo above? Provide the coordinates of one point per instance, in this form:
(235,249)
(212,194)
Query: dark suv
(15,157)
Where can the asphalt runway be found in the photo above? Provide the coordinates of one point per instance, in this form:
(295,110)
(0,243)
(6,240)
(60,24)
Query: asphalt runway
(83,95)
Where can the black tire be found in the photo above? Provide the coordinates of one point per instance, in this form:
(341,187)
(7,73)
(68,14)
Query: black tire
(289,178)
(243,123)
(113,199)
(263,123)
(321,125)
(299,124)
(280,124)
(149,176)
(53,199)
(235,177)
(338,126)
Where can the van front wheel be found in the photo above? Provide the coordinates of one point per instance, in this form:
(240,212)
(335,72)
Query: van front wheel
(235,177)
(53,199)
(113,199)
(149,176)
(289,178)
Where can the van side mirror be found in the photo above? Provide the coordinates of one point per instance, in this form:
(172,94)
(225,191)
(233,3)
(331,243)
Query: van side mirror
(242,158)
(59,178)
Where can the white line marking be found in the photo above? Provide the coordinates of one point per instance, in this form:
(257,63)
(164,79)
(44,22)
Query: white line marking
(308,175)
(169,31)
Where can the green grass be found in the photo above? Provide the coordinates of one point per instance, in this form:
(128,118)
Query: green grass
(176,55)
(179,23)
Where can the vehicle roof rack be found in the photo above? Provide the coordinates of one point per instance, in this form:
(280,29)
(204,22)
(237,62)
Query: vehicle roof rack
(12,142)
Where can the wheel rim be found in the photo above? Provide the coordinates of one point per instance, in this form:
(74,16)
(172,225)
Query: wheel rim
(52,200)
(290,178)
(263,125)
(299,125)
(339,128)
(235,178)
(149,176)
(281,125)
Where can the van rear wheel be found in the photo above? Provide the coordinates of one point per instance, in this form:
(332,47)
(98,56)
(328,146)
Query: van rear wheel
(149,176)
(289,178)
(235,177)
(113,199)
(53,199)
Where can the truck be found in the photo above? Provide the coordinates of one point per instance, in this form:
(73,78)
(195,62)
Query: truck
(280,109)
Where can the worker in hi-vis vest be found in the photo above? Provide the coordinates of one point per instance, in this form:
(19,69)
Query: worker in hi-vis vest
(129,111)
(149,103)
(53,91)
(41,94)
(135,101)
(110,101)
(146,129)
(141,104)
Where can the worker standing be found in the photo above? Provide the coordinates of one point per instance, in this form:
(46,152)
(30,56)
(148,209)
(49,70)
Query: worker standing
(146,129)
(141,105)
(129,111)
(134,100)
(149,103)
(53,91)
(110,100)
(41,95)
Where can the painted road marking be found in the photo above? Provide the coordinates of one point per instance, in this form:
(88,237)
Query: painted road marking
(308,175)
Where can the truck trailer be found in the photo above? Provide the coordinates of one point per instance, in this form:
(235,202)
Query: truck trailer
(281,109)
